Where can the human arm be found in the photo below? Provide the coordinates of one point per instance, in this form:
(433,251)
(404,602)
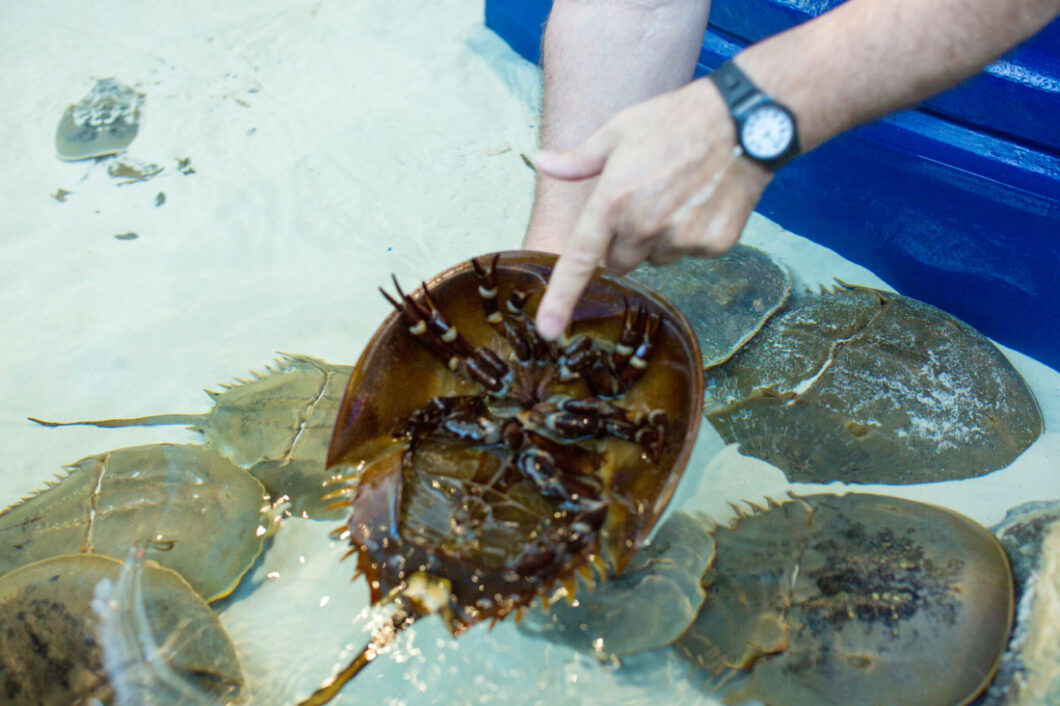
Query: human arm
(668,183)
(600,56)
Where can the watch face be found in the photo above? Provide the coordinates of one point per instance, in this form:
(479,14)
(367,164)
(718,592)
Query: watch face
(767,131)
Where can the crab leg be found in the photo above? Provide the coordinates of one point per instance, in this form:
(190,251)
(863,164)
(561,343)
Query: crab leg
(591,365)
(639,362)
(487,290)
(428,326)
(480,360)
(627,340)
(516,307)
(577,493)
(592,417)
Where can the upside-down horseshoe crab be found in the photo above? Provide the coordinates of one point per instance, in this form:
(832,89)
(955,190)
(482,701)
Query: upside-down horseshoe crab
(486,465)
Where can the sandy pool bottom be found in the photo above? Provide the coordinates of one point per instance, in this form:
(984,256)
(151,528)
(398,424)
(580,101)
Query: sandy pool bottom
(309,149)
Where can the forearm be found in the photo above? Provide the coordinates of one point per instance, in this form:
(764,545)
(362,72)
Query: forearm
(599,57)
(870,57)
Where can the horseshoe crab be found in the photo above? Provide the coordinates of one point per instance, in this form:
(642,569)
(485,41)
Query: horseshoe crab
(487,465)
(276,426)
(853,599)
(62,641)
(727,299)
(1030,667)
(864,386)
(647,606)
(103,122)
(198,514)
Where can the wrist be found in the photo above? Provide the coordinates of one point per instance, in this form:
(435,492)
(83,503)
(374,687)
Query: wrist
(799,70)
(766,130)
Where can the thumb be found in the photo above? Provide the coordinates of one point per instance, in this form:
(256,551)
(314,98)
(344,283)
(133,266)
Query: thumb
(582,162)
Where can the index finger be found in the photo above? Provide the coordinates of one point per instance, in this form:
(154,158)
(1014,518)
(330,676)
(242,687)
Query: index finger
(589,240)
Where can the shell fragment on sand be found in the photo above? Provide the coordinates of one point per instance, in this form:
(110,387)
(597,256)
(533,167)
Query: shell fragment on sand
(103,122)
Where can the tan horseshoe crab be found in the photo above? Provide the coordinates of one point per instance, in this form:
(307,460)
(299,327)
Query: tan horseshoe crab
(61,642)
(487,465)
(865,386)
(853,599)
(276,425)
(197,513)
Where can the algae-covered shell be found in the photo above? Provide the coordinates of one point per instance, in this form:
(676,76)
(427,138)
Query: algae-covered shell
(80,627)
(198,513)
(854,599)
(103,122)
(864,386)
(726,299)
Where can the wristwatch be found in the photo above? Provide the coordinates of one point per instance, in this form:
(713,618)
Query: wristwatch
(766,129)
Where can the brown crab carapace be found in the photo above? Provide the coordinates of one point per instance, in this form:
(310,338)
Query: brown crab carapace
(483,465)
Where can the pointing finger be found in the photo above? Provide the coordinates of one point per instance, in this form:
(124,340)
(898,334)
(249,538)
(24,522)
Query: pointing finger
(588,243)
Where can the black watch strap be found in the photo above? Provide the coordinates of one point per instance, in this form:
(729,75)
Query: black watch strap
(733,85)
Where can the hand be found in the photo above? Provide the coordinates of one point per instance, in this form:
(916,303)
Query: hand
(671,183)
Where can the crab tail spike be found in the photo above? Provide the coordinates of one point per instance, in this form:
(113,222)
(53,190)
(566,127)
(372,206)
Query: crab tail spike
(149,421)
(339,505)
(544,602)
(519,614)
(380,641)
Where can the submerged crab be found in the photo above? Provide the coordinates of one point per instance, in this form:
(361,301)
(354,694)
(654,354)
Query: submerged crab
(199,514)
(275,425)
(866,386)
(88,629)
(486,464)
(853,599)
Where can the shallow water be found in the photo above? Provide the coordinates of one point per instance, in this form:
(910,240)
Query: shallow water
(327,144)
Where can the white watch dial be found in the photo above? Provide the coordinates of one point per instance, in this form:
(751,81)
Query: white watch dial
(767,132)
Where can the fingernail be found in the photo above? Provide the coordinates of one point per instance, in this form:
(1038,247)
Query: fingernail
(549,326)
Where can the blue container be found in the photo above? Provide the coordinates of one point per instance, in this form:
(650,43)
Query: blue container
(956,202)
